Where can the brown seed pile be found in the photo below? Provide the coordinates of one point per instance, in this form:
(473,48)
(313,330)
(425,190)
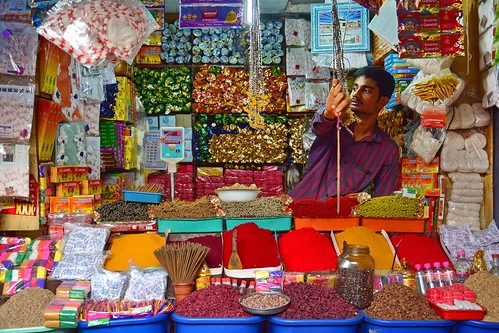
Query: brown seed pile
(260,207)
(121,211)
(25,309)
(486,288)
(200,209)
(398,302)
(264,301)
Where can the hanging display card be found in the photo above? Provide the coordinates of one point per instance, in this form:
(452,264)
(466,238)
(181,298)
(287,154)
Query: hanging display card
(211,14)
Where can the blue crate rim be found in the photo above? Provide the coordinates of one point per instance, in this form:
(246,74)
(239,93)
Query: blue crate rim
(130,321)
(408,323)
(479,323)
(217,321)
(317,322)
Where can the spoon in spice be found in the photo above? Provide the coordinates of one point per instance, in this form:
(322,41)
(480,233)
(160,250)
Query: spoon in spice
(234,260)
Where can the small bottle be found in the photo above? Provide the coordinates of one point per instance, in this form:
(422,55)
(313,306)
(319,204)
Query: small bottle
(226,281)
(448,274)
(242,287)
(495,265)
(408,275)
(420,279)
(429,276)
(218,281)
(234,283)
(251,288)
(438,274)
(203,277)
(462,267)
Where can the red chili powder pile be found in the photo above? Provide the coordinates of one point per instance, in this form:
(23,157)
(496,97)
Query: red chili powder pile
(256,247)
(322,209)
(306,250)
(418,249)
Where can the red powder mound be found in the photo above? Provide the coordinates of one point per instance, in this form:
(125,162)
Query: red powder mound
(418,249)
(306,250)
(256,247)
(322,209)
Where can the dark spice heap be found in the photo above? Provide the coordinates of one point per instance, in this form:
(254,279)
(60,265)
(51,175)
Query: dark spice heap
(306,250)
(122,211)
(214,257)
(260,207)
(398,302)
(216,301)
(315,302)
(486,288)
(200,209)
(256,247)
(25,309)
(322,209)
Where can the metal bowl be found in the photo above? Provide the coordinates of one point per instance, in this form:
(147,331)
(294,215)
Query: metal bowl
(265,312)
(239,195)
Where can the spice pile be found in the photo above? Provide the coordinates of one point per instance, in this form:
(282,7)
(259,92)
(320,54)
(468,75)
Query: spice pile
(316,302)
(136,247)
(486,288)
(256,247)
(322,208)
(398,302)
(200,209)
(25,309)
(306,250)
(264,301)
(378,245)
(418,249)
(395,206)
(122,211)
(215,301)
(260,207)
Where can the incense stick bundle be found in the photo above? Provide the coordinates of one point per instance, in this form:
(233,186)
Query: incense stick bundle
(182,261)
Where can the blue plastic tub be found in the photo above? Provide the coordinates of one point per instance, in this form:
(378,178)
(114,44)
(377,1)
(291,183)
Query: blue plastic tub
(280,325)
(215,224)
(406,326)
(154,324)
(475,326)
(38,329)
(217,325)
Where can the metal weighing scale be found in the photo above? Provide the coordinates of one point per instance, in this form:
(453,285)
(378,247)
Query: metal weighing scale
(172,151)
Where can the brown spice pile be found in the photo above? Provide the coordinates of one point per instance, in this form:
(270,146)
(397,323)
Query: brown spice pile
(200,209)
(260,207)
(398,302)
(486,288)
(25,309)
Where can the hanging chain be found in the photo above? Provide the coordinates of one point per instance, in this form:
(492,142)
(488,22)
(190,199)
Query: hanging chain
(258,100)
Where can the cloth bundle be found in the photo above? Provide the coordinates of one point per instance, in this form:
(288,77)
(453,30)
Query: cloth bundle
(465,200)
(464,153)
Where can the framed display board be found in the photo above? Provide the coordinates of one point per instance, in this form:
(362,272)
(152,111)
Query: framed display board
(353,19)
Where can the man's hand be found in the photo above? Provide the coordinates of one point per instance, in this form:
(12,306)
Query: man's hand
(337,101)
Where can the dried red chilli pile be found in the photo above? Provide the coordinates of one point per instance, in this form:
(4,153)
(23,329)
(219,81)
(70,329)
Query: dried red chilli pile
(316,302)
(322,209)
(216,301)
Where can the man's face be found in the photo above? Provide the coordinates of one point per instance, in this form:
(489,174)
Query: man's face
(365,97)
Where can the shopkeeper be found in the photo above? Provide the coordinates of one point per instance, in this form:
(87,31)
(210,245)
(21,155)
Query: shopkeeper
(368,156)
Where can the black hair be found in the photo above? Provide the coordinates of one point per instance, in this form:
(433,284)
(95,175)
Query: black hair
(384,80)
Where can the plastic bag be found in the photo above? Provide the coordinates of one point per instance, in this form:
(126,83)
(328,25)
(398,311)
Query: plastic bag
(463,151)
(430,135)
(84,239)
(431,65)
(295,32)
(146,284)
(77,266)
(100,30)
(19,46)
(108,284)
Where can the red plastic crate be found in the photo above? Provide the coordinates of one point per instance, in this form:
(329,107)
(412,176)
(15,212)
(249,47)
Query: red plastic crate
(459,314)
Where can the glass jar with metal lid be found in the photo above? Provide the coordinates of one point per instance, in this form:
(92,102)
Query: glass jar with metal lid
(355,275)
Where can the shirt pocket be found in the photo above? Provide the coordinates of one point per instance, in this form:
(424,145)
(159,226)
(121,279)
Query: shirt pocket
(357,180)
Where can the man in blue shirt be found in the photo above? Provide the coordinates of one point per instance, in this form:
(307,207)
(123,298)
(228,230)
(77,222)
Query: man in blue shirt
(369,155)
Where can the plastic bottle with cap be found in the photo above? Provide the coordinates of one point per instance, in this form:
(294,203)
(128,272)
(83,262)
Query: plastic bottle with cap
(495,265)
(438,274)
(448,274)
(251,288)
(462,267)
(242,287)
(420,279)
(234,283)
(429,276)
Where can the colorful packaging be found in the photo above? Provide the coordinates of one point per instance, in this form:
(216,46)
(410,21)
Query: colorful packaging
(91,186)
(61,174)
(80,173)
(83,204)
(59,205)
(68,189)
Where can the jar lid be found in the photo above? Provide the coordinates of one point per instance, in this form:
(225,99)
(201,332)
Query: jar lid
(357,248)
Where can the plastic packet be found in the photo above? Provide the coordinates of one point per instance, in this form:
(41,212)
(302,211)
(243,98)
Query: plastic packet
(268,281)
(77,266)
(18,52)
(17,98)
(98,31)
(316,94)
(430,135)
(108,284)
(295,33)
(290,277)
(146,284)
(431,65)
(17,280)
(327,280)
(464,151)
(84,238)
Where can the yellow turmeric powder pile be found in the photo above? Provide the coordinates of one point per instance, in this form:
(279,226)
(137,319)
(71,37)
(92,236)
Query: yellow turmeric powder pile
(378,246)
(137,247)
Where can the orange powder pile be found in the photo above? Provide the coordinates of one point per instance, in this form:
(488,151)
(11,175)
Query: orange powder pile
(378,246)
(137,247)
